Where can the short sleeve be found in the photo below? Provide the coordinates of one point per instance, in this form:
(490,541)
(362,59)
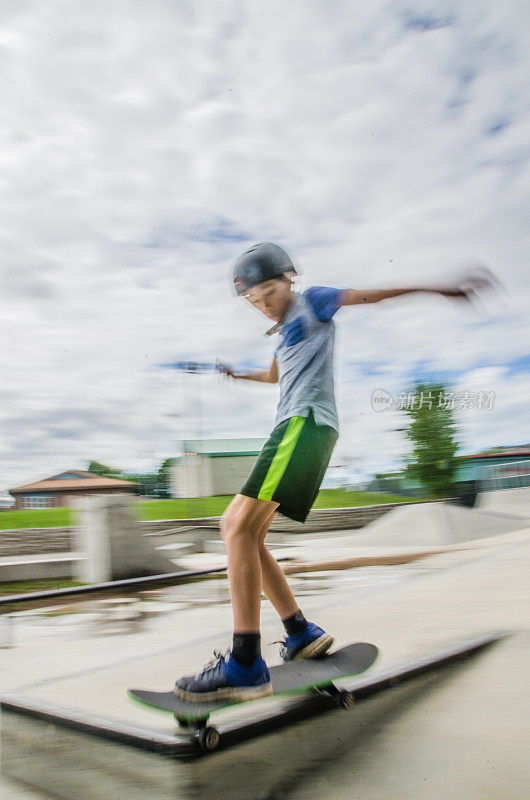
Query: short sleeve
(324,301)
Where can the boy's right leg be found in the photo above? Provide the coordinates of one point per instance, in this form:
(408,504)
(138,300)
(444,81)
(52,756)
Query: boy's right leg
(239,674)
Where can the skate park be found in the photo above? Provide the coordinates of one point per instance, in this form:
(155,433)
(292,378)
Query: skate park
(442,590)
(247,248)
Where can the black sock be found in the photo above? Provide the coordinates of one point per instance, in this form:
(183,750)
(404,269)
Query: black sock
(246,648)
(295,624)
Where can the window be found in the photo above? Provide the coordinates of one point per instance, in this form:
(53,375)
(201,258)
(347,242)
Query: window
(36,501)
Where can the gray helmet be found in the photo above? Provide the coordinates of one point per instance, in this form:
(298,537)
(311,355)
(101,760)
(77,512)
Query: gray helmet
(261,262)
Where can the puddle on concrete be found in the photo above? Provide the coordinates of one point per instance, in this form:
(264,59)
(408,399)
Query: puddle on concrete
(137,612)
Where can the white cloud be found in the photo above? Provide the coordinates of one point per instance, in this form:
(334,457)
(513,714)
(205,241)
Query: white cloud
(142,147)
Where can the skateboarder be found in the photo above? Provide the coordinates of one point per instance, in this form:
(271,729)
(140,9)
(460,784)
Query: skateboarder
(290,468)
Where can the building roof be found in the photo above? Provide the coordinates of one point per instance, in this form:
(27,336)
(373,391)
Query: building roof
(209,447)
(228,454)
(73,479)
(500,454)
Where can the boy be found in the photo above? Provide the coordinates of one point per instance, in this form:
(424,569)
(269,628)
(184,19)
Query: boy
(289,469)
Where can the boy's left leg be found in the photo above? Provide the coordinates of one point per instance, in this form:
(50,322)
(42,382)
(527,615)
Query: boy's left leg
(290,469)
(303,639)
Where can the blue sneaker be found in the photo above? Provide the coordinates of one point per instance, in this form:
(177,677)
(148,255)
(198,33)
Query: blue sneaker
(224,678)
(309,643)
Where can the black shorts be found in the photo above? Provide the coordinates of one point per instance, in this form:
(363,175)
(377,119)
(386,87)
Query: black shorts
(291,465)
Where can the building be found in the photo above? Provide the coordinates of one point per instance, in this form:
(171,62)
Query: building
(6,501)
(67,487)
(209,467)
(506,468)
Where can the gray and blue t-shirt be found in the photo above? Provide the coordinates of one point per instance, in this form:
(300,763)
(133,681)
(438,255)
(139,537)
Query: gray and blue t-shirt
(305,357)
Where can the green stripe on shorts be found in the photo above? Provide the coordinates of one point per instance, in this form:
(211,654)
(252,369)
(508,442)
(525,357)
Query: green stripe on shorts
(281,458)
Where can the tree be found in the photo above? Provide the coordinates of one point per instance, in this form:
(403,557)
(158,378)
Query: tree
(106,472)
(164,477)
(432,431)
(146,483)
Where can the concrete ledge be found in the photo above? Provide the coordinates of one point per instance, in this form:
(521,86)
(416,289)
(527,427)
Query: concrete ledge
(34,568)
(320,519)
(66,565)
(21,541)
(179,549)
(63,565)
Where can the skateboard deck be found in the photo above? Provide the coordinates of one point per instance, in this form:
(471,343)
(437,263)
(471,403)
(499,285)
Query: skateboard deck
(293,677)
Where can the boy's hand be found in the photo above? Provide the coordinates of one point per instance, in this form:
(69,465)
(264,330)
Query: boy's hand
(480,279)
(225,369)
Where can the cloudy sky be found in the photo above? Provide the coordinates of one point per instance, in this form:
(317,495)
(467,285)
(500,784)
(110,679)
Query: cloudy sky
(144,145)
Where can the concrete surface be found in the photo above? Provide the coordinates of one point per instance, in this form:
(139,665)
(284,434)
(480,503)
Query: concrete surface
(435,524)
(464,735)
(506,501)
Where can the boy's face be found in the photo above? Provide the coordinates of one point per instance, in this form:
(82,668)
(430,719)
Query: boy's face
(272,298)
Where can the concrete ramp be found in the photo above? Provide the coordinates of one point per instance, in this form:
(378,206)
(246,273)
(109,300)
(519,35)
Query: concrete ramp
(428,524)
(506,501)
(112,543)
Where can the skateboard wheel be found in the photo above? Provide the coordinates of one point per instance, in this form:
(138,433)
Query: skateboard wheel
(208,738)
(347,699)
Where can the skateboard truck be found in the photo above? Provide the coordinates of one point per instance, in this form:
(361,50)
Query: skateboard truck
(342,697)
(208,737)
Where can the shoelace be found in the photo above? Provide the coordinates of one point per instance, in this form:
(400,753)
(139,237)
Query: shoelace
(283,646)
(214,663)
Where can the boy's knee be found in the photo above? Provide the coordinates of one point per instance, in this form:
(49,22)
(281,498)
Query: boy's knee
(233,525)
(229,525)
(223,526)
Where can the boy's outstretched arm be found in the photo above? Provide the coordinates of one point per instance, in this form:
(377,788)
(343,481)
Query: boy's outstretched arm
(466,289)
(357,297)
(268,376)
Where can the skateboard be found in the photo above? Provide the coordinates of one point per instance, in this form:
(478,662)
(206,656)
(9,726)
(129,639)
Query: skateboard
(293,677)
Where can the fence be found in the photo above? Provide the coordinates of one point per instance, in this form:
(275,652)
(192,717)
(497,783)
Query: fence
(506,476)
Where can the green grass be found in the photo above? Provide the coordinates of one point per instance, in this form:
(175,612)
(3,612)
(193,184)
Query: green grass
(214,506)
(37,586)
(185,508)
(343,498)
(36,518)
